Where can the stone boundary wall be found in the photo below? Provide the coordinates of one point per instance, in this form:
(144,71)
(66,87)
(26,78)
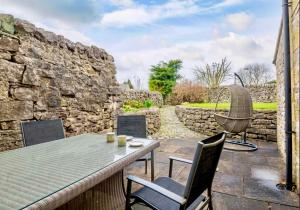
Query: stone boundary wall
(44,76)
(263,125)
(263,93)
(152,118)
(142,95)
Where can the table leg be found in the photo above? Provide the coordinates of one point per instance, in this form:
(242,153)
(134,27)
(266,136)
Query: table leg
(152,165)
(107,195)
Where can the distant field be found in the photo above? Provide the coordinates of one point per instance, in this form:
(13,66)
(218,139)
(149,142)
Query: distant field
(256,106)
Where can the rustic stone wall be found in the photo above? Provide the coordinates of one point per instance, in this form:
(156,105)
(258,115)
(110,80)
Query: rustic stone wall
(152,118)
(43,76)
(295,77)
(142,95)
(263,93)
(263,126)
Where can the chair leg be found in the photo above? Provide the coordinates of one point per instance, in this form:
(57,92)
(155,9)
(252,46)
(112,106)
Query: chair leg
(209,193)
(128,194)
(146,166)
(152,166)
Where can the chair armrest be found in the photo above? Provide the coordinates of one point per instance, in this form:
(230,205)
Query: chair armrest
(181,160)
(159,189)
(177,159)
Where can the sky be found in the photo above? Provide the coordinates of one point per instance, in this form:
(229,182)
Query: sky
(141,33)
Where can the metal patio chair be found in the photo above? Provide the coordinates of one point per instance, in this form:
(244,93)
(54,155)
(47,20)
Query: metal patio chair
(166,194)
(136,126)
(42,131)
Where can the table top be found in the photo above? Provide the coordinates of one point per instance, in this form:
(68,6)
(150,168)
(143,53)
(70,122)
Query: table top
(30,174)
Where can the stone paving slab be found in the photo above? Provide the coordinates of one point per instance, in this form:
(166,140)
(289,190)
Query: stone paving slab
(244,180)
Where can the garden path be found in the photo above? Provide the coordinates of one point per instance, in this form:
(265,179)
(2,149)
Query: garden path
(171,127)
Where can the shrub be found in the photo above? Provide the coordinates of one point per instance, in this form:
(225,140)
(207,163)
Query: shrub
(148,103)
(187,91)
(135,105)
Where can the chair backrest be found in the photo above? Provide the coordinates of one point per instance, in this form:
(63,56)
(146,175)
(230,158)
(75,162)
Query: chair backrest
(37,132)
(241,102)
(204,165)
(132,125)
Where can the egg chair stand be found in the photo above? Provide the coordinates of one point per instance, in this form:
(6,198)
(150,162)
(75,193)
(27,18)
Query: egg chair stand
(242,142)
(239,116)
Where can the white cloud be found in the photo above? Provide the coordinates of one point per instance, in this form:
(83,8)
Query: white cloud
(227,3)
(239,21)
(122,3)
(127,17)
(239,49)
(140,14)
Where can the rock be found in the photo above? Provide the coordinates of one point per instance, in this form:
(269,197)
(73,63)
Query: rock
(16,110)
(24,26)
(9,44)
(53,99)
(40,106)
(46,36)
(5,55)
(4,86)
(7,23)
(24,94)
(31,76)
(34,53)
(10,71)
(18,59)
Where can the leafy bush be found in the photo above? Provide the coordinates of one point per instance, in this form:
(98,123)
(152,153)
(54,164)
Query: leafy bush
(135,105)
(187,91)
(148,103)
(127,108)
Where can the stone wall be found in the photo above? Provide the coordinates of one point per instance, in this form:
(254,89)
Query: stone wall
(263,93)
(263,126)
(295,63)
(152,118)
(43,76)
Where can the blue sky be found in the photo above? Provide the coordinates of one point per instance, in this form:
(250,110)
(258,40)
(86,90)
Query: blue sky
(140,33)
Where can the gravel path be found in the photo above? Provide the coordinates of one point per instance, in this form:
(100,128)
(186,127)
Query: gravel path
(171,127)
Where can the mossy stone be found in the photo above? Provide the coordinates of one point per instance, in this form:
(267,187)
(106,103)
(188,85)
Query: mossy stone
(7,23)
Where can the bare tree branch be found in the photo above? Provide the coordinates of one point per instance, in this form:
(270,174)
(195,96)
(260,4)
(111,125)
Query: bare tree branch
(255,74)
(213,75)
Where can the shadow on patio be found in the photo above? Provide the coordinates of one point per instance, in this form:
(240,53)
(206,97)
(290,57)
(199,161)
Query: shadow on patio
(244,180)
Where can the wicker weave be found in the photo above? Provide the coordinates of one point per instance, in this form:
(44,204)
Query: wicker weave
(32,177)
(240,113)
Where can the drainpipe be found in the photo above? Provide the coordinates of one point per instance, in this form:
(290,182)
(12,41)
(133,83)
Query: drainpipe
(287,93)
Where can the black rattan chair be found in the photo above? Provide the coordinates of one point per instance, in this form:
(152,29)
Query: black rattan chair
(136,126)
(37,132)
(166,194)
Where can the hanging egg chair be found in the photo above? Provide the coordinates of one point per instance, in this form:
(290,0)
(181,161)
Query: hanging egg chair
(239,116)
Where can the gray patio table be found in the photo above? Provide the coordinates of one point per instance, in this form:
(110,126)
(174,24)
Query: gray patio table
(80,172)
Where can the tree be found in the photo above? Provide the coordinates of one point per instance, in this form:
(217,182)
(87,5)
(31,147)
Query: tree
(164,75)
(255,74)
(215,74)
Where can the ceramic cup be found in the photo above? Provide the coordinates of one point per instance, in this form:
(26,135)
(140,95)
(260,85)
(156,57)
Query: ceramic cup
(110,137)
(121,140)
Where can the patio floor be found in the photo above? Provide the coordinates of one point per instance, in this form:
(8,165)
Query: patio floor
(244,180)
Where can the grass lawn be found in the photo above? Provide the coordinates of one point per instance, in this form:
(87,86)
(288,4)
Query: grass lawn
(256,106)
